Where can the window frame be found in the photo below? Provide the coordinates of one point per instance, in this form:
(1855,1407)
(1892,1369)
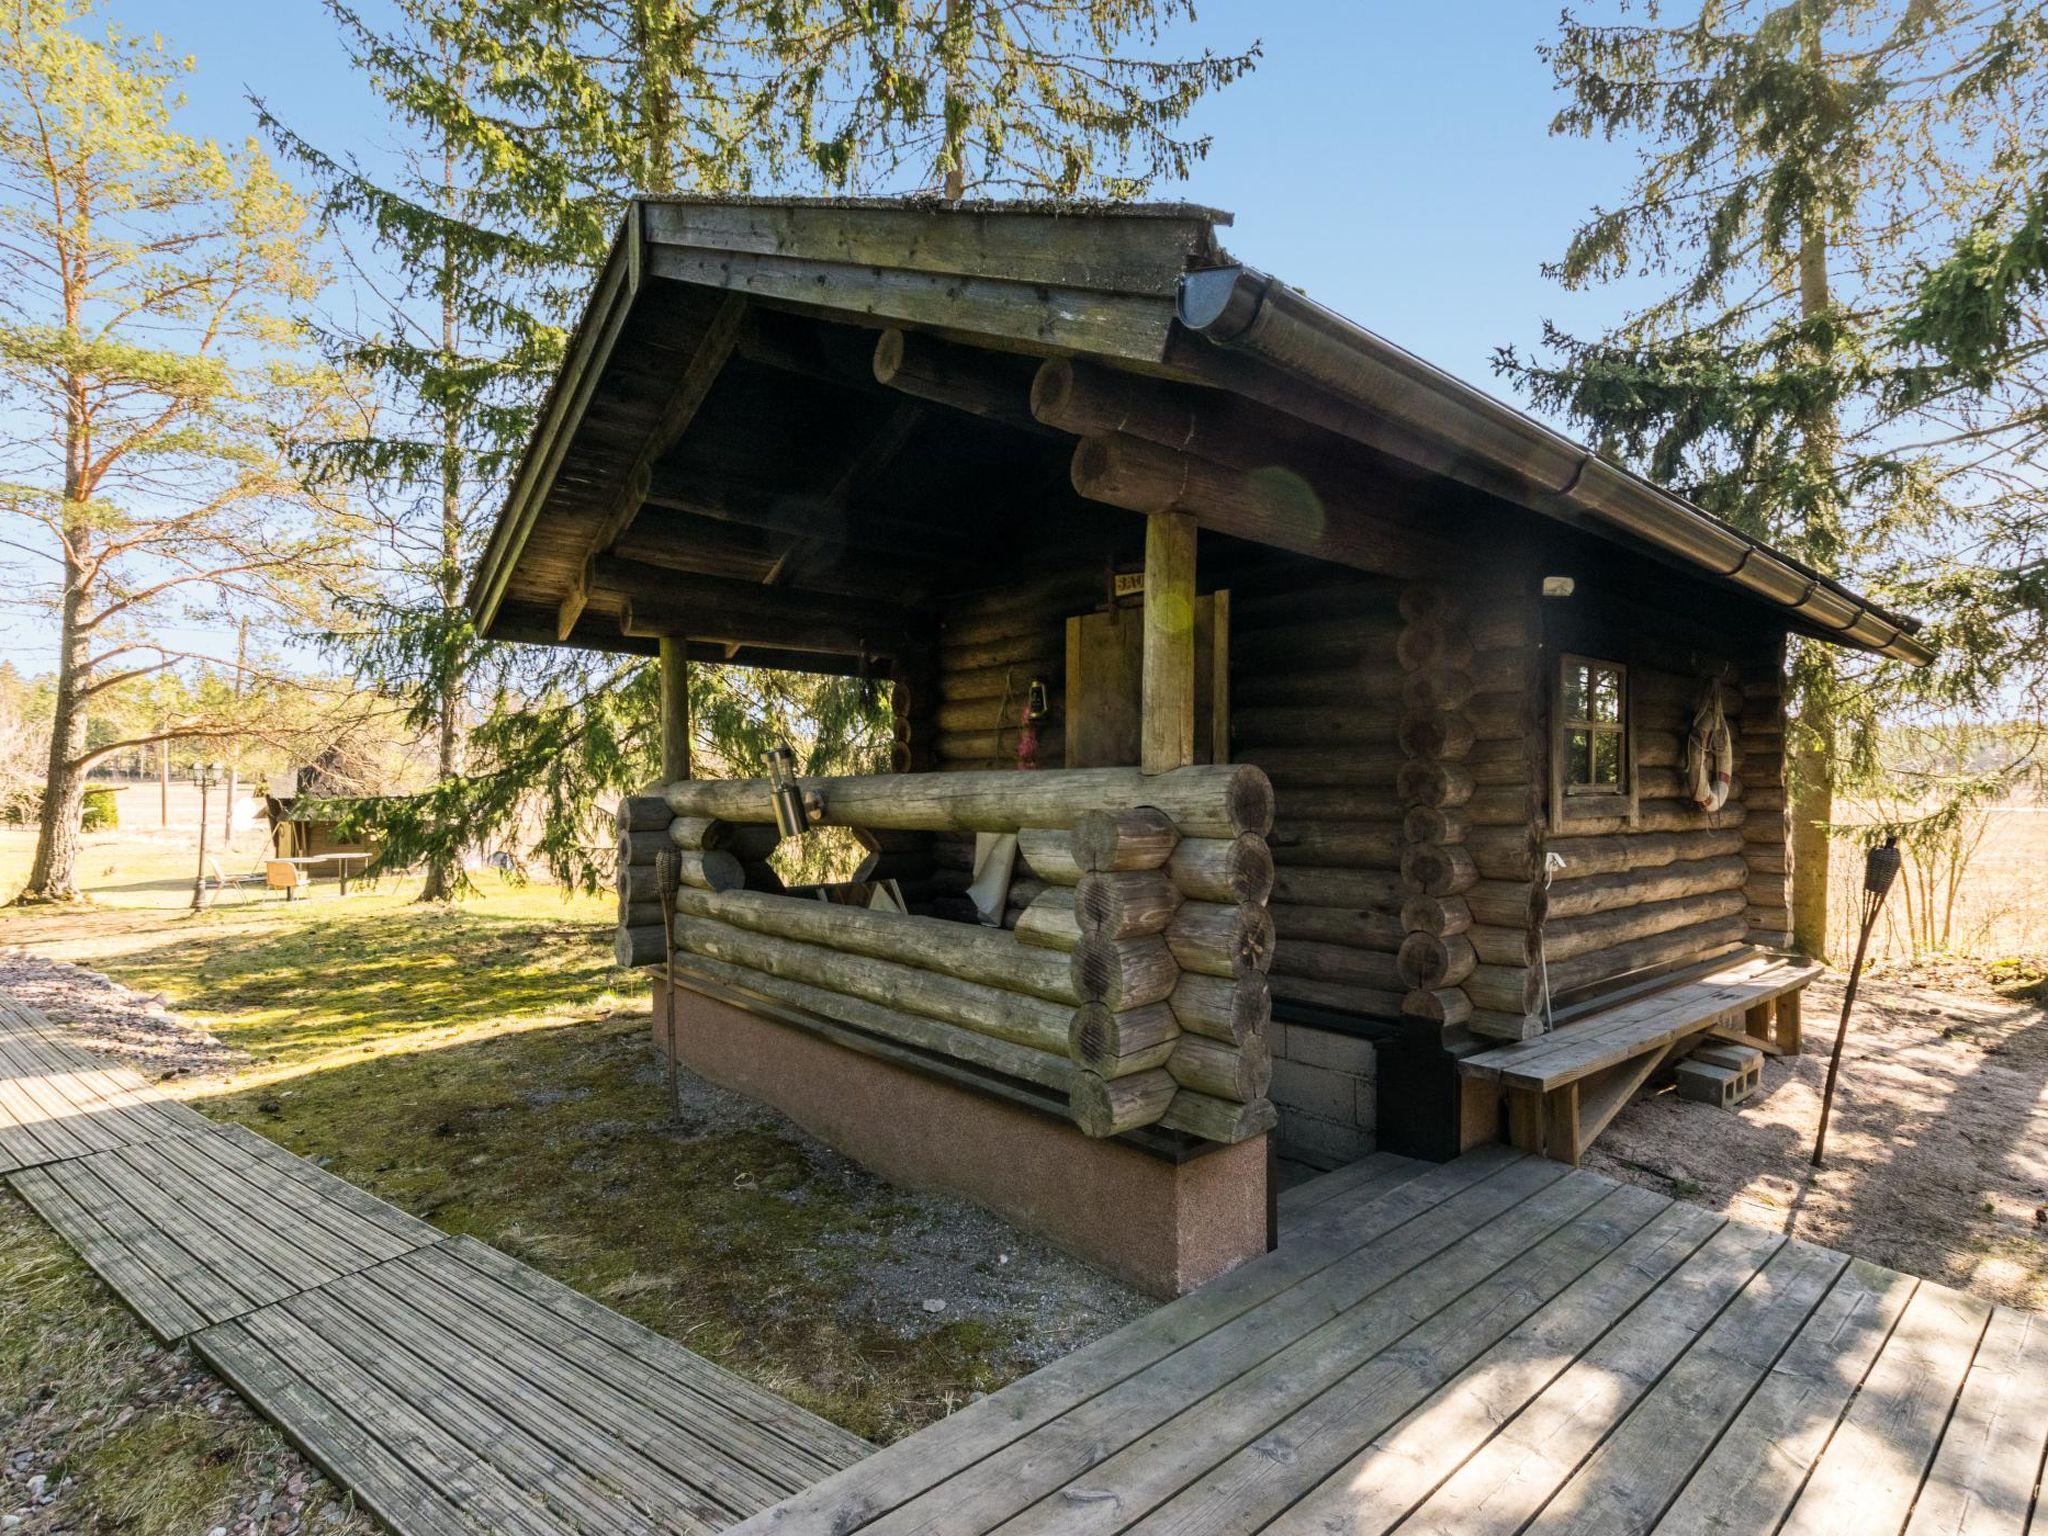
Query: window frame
(1616,799)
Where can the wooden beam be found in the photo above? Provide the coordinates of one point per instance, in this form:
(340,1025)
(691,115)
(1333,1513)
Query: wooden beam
(1166,730)
(801,515)
(692,385)
(675,708)
(1276,507)
(870,460)
(739,612)
(992,385)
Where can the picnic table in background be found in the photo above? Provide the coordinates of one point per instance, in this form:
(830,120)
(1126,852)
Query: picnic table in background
(287,874)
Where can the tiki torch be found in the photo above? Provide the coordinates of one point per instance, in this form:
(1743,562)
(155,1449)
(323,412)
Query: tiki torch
(1880,869)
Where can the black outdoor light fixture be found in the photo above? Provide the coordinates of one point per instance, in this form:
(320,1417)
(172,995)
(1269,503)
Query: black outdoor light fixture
(206,775)
(1880,869)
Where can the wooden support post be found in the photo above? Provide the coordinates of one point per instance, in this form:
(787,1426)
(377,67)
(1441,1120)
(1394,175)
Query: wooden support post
(674,661)
(1167,729)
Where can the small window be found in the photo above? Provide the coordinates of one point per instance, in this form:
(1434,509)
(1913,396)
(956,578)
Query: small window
(1590,751)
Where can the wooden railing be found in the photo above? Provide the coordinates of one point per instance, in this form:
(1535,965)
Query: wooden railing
(1133,985)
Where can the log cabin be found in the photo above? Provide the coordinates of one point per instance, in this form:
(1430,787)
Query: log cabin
(1297,751)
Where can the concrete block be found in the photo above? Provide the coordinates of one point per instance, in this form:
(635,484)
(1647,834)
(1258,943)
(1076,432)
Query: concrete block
(1336,1052)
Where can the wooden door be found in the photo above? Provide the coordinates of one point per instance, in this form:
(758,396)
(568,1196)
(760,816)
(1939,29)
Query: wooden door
(1105,665)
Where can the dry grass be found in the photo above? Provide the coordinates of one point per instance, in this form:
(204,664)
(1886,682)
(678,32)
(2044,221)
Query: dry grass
(2001,908)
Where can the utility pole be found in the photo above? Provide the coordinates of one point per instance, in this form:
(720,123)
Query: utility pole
(204,776)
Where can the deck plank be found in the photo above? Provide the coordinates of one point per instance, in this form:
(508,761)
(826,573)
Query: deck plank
(1983,1478)
(1256,1447)
(1377,1487)
(927,1460)
(1005,1483)
(1628,1482)
(1867,1478)
(1366,1179)
(1753,1474)
(1513,1475)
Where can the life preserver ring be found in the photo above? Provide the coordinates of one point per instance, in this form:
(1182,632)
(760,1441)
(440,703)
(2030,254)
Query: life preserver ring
(1709,754)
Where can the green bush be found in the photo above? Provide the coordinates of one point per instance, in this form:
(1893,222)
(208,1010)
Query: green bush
(102,811)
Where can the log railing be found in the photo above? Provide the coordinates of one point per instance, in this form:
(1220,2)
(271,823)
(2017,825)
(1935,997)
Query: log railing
(1133,985)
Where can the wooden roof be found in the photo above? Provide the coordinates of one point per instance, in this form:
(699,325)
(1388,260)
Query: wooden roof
(719,457)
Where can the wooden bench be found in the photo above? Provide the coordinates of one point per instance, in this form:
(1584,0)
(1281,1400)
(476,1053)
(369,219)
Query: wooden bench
(1563,1088)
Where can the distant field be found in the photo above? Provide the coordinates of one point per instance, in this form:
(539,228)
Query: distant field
(2001,907)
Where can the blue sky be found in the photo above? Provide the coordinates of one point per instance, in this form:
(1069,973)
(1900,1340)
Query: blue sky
(1391,158)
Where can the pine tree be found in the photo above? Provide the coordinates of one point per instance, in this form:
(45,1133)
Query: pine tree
(1796,157)
(150,283)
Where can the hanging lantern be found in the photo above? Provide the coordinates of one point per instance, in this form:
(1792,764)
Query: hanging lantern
(785,795)
(1881,867)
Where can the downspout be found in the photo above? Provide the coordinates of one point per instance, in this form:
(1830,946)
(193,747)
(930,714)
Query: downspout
(1243,309)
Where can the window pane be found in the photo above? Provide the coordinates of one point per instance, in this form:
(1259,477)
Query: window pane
(1578,757)
(1606,693)
(1575,688)
(1607,759)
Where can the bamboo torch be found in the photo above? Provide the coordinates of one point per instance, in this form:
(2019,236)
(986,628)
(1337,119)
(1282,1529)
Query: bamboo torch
(1880,869)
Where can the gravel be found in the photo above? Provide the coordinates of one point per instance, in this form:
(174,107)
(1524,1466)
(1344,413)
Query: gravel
(105,1016)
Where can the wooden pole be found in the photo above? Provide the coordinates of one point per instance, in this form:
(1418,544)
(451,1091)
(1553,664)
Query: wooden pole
(674,661)
(1167,727)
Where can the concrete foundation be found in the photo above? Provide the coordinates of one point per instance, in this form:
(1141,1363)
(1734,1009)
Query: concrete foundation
(1165,1227)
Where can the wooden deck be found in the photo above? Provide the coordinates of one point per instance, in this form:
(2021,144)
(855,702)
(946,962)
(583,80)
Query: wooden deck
(450,1388)
(1500,1344)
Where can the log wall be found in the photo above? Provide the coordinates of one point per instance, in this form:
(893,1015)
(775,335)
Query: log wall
(1138,991)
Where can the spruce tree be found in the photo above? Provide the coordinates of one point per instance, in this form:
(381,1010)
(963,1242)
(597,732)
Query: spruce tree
(1795,159)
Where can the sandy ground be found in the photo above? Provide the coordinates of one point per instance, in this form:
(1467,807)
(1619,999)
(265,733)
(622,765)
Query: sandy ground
(1937,1162)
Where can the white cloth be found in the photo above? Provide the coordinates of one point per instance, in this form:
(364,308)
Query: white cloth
(995,857)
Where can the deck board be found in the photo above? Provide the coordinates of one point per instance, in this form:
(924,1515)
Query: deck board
(1479,1349)
(452,1390)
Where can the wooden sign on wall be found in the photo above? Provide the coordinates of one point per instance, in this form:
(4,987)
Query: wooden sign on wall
(1105,664)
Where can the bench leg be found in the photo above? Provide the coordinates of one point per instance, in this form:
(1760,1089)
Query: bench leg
(1525,1119)
(1562,1141)
(1478,1113)
(1786,1026)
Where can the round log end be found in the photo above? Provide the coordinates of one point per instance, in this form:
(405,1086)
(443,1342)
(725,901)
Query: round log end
(1250,800)
(889,351)
(1108,841)
(1052,389)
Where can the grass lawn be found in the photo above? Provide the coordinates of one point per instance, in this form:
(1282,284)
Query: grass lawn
(487,1068)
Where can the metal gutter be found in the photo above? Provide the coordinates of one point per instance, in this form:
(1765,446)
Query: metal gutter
(1240,308)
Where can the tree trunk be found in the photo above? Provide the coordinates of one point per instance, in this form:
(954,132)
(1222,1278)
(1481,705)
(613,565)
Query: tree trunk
(54,874)
(953,157)
(442,870)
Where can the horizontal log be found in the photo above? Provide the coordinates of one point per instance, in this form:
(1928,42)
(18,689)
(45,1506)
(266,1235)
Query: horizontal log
(1507,670)
(1695,942)
(958,686)
(1515,989)
(1280,509)
(1435,688)
(1430,961)
(993,1011)
(1209,1118)
(1019,1061)
(1504,805)
(1506,853)
(1362,644)
(1627,888)
(1219,939)
(1040,653)
(1220,800)
(1418,782)
(1442,735)
(1339,965)
(644,846)
(1772,858)
(701,834)
(1371,888)
(1359,927)
(1427,644)
(1357,769)
(1234,869)
(1123,973)
(709,870)
(1507,903)
(1337,844)
(998,747)
(1433,869)
(1104,1106)
(1584,856)
(1496,1025)
(1125,904)
(1653,816)
(1230,1009)
(1049,921)
(633,948)
(1505,626)
(1239,1073)
(1440,915)
(969,379)
(1108,842)
(1764,890)
(1448,1006)
(1570,937)
(1049,851)
(966,951)
(1493,945)
(1339,997)
(1113,1044)
(1269,725)
(641,813)
(638,884)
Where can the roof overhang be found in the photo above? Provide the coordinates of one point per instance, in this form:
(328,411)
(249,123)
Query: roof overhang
(1144,288)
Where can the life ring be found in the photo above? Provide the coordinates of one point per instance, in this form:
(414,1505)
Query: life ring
(1709,754)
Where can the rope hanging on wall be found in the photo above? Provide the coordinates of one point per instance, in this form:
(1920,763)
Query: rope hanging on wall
(1709,753)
